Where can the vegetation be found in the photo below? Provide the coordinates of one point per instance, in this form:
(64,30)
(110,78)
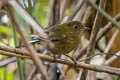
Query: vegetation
(97,51)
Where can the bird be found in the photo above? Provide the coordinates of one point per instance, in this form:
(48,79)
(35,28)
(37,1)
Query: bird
(65,37)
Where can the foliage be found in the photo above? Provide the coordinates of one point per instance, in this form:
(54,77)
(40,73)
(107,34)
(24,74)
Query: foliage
(6,74)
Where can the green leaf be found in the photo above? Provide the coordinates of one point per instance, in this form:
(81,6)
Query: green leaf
(9,74)
(5,30)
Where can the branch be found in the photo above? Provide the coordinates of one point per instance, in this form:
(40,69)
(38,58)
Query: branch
(7,61)
(53,20)
(25,54)
(54,16)
(81,13)
(107,27)
(100,34)
(96,28)
(110,43)
(30,48)
(107,16)
(28,18)
(113,58)
(64,5)
(76,9)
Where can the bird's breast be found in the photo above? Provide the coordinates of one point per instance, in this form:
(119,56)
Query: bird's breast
(63,46)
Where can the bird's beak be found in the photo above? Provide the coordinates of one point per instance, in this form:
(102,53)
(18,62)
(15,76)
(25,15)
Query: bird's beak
(86,28)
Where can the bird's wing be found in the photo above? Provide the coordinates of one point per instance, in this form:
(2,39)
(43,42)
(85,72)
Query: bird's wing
(55,38)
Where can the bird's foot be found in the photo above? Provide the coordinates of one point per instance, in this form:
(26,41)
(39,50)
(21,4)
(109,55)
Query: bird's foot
(54,57)
(73,59)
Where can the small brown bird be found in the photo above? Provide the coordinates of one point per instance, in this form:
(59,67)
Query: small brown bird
(64,36)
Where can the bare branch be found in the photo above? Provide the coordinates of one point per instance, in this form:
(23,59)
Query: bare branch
(110,43)
(113,58)
(96,28)
(28,18)
(107,16)
(32,74)
(107,27)
(7,61)
(30,48)
(54,16)
(100,34)
(76,9)
(22,53)
(63,7)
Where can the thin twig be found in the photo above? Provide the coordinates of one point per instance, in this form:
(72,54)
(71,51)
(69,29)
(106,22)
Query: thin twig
(7,61)
(13,54)
(100,34)
(89,16)
(107,16)
(32,74)
(55,19)
(117,56)
(79,16)
(113,58)
(50,15)
(30,48)
(81,53)
(110,43)
(28,18)
(107,27)
(16,42)
(54,13)
(96,28)
(106,69)
(63,7)
(76,9)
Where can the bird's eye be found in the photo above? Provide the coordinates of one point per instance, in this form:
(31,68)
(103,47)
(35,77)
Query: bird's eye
(75,27)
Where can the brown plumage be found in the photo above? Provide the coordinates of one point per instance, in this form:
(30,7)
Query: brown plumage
(64,36)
